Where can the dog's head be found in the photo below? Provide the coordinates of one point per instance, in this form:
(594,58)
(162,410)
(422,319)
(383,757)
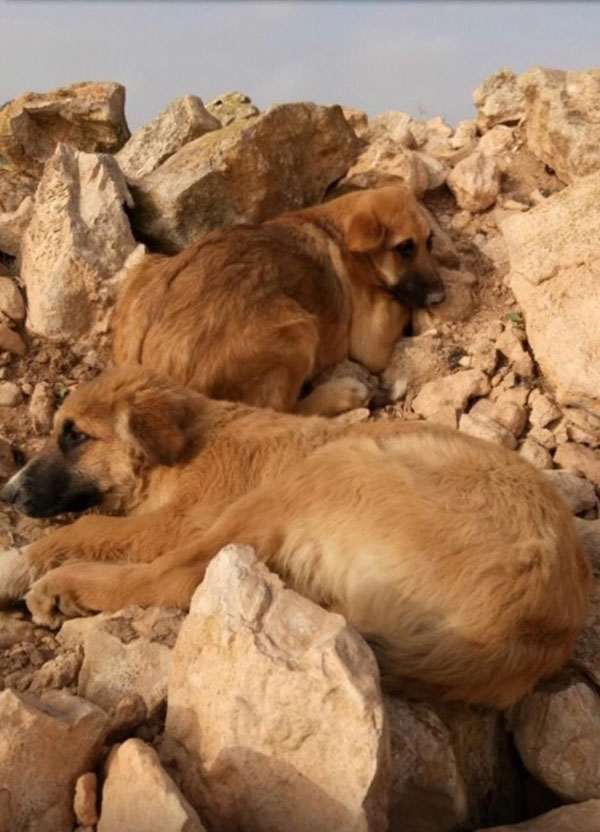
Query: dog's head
(389,227)
(107,437)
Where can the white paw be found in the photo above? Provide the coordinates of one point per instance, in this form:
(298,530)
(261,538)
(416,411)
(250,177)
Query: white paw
(14,576)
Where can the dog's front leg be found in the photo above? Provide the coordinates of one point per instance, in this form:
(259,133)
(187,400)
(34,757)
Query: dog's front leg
(94,537)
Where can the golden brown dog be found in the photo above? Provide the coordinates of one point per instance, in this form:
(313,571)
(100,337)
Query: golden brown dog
(453,556)
(251,313)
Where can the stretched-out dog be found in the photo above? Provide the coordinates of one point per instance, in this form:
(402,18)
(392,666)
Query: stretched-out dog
(454,557)
(252,313)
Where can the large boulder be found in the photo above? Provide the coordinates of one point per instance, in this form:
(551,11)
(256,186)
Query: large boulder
(554,252)
(249,171)
(78,240)
(139,795)
(563,119)
(182,121)
(89,116)
(125,654)
(45,745)
(499,100)
(557,733)
(275,717)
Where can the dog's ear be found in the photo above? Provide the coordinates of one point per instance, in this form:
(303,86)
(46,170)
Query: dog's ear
(363,232)
(159,423)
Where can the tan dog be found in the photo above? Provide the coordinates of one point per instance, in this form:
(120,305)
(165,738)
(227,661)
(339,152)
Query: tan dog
(454,557)
(251,313)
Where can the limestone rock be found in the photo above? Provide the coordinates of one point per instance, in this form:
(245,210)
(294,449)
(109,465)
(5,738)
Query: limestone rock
(392,125)
(84,803)
(508,414)
(10,394)
(455,390)
(578,457)
(487,428)
(384,162)
(89,116)
(41,408)
(543,411)
(499,100)
(182,121)
(124,653)
(464,134)
(76,243)
(562,125)
(475,182)
(275,718)
(249,171)
(11,300)
(45,744)
(578,817)
(587,649)
(230,107)
(15,187)
(577,493)
(139,795)
(557,730)
(11,341)
(554,250)
(13,226)
(510,345)
(535,454)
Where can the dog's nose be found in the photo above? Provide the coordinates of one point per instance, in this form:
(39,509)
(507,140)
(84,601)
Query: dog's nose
(435,296)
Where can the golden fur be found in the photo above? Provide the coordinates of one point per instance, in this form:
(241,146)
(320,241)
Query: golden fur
(454,557)
(251,313)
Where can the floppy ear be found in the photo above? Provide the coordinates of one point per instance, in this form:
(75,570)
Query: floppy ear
(363,232)
(158,422)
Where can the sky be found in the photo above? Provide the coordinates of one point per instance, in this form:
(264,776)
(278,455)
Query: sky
(424,58)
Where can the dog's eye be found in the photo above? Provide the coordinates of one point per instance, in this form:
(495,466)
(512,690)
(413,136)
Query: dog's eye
(406,248)
(429,242)
(70,437)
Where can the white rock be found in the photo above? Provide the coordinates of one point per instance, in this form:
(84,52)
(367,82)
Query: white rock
(77,241)
(45,744)
(508,414)
(183,120)
(562,124)
(543,411)
(577,493)
(579,458)
(278,703)
(13,225)
(486,428)
(139,795)
(124,653)
(499,100)
(455,390)
(475,182)
(535,454)
(557,733)
(11,300)
(554,252)
(464,134)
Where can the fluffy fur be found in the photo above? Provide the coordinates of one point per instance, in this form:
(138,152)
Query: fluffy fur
(454,557)
(251,313)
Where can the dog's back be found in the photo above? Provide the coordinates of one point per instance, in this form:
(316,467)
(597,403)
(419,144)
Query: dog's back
(231,308)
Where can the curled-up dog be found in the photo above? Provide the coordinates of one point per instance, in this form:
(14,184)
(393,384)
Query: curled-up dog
(454,557)
(253,313)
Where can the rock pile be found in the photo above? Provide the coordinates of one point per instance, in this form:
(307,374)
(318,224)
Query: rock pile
(260,710)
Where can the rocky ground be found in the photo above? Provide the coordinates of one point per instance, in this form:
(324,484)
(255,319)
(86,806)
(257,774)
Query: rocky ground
(120,722)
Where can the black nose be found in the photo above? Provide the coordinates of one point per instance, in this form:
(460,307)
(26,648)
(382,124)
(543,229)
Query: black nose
(10,493)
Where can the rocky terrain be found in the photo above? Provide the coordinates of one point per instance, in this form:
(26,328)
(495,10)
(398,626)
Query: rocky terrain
(260,711)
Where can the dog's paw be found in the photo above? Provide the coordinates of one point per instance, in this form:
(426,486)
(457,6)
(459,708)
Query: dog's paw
(50,600)
(346,393)
(14,576)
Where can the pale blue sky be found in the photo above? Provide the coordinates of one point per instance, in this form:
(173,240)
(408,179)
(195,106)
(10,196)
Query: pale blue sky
(421,57)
